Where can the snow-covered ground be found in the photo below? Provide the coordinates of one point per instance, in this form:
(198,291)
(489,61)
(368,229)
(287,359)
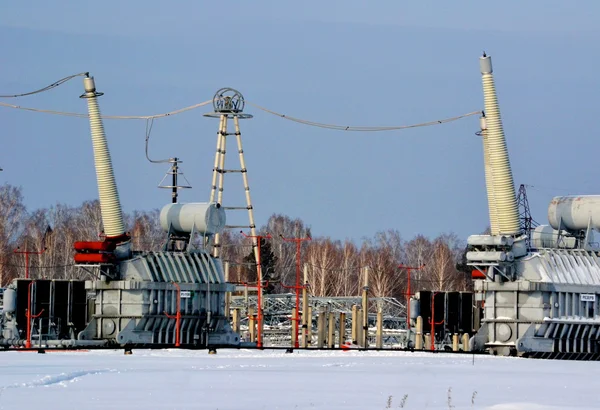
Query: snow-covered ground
(232,379)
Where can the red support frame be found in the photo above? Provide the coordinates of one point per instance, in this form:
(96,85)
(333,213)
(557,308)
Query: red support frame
(298,286)
(259,285)
(408,291)
(27,253)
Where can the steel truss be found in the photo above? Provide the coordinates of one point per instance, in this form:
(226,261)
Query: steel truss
(278,315)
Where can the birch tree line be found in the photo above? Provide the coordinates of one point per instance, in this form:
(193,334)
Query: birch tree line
(335,267)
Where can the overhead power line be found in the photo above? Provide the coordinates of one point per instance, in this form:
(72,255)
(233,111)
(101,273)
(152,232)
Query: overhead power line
(191,107)
(47,88)
(286,117)
(362,128)
(109,117)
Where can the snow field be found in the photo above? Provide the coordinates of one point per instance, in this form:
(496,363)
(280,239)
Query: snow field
(249,379)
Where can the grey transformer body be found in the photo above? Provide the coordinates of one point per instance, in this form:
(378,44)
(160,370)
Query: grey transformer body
(130,311)
(542,304)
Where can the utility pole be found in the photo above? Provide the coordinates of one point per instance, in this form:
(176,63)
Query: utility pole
(259,314)
(298,286)
(27,253)
(408,292)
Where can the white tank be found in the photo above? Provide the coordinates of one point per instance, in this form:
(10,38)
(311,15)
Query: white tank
(204,218)
(9,305)
(574,212)
(490,256)
(544,236)
(489,240)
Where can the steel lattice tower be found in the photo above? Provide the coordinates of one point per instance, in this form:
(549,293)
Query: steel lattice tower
(525,219)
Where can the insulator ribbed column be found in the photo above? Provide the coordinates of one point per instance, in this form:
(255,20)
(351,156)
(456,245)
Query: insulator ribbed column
(502,186)
(488,177)
(110,206)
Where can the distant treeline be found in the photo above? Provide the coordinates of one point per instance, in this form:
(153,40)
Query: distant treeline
(334,267)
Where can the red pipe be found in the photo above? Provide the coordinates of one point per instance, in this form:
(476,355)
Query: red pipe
(408,293)
(177,316)
(29,315)
(432,321)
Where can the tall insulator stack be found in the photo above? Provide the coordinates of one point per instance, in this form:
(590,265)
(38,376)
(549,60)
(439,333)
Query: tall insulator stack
(504,214)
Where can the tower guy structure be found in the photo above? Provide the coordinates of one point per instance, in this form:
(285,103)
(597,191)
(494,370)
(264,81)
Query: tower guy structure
(228,105)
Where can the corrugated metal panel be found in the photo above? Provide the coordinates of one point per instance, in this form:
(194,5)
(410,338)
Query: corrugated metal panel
(569,267)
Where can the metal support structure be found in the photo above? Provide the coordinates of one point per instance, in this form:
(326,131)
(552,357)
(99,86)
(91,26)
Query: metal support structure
(174,172)
(379,332)
(251,325)
(409,270)
(235,322)
(365,310)
(527,222)
(309,330)
(419,334)
(228,104)
(279,323)
(298,286)
(177,315)
(342,336)
(322,328)
(259,285)
(27,253)
(331,332)
(306,319)
(354,334)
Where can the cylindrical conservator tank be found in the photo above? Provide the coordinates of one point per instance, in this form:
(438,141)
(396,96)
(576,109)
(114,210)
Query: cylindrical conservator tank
(544,236)
(574,212)
(203,217)
(9,305)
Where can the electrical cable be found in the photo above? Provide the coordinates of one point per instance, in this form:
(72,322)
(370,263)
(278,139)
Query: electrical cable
(284,116)
(48,87)
(149,124)
(108,117)
(363,128)
(10,265)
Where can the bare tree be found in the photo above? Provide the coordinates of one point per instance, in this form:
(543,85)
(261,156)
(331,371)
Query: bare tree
(281,225)
(12,211)
(146,232)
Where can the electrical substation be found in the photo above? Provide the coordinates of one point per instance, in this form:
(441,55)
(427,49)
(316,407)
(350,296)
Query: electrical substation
(536,287)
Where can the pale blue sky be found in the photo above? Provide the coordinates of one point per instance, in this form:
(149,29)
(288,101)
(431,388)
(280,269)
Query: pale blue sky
(346,62)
